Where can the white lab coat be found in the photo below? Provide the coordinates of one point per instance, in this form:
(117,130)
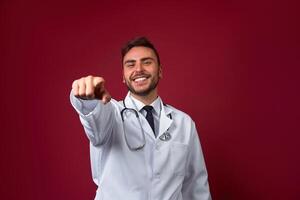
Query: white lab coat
(162,170)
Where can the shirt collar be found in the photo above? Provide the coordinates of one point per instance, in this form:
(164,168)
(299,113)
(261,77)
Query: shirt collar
(156,104)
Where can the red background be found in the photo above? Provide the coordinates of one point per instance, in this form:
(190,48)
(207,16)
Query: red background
(232,65)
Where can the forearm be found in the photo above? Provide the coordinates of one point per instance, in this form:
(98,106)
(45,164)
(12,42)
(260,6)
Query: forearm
(97,119)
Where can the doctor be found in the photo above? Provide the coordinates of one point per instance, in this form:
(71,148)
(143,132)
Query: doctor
(140,147)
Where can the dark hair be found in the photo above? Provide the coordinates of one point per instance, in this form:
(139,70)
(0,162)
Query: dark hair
(139,42)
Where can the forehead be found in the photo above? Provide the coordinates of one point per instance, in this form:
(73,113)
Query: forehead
(136,53)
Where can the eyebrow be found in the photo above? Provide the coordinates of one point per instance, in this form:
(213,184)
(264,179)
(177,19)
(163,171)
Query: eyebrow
(143,59)
(147,58)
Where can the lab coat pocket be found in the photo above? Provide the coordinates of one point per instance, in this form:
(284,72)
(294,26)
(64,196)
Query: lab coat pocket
(179,157)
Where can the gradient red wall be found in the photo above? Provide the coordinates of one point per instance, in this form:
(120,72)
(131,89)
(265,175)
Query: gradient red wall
(232,65)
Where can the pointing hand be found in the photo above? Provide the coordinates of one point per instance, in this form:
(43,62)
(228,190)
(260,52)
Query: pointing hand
(89,88)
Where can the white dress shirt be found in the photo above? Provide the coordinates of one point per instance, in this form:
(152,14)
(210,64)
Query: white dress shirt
(155,112)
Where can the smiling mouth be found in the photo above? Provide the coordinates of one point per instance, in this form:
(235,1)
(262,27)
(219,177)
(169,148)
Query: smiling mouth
(140,79)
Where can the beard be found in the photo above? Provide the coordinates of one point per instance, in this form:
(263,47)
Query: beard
(153,84)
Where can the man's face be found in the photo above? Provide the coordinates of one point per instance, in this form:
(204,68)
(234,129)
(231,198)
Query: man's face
(141,71)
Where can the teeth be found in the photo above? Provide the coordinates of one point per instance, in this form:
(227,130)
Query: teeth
(140,79)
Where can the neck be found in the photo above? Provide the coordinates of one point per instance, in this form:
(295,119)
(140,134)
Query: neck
(148,99)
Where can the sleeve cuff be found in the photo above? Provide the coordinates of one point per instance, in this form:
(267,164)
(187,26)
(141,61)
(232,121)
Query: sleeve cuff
(84,107)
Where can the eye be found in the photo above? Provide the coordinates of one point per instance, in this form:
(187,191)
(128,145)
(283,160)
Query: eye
(147,62)
(130,65)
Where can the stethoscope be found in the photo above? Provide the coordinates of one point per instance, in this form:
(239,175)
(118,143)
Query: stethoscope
(166,136)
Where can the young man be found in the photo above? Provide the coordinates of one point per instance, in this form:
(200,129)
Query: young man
(140,148)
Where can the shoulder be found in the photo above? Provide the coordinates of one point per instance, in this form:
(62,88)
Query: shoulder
(184,127)
(179,114)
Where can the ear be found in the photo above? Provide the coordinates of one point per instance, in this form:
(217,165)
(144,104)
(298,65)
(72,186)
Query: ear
(160,72)
(123,79)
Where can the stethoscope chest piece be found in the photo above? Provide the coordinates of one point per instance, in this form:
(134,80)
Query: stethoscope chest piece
(165,137)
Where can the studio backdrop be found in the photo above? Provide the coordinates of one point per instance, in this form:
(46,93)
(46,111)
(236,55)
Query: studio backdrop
(233,66)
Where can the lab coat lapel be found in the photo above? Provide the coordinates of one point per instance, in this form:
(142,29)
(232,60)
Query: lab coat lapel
(145,125)
(165,121)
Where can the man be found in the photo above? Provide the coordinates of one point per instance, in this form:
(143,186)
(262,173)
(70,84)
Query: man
(140,148)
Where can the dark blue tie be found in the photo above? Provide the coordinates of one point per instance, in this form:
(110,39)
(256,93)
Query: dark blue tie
(149,116)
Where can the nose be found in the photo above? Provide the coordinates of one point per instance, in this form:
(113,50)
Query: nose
(139,67)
